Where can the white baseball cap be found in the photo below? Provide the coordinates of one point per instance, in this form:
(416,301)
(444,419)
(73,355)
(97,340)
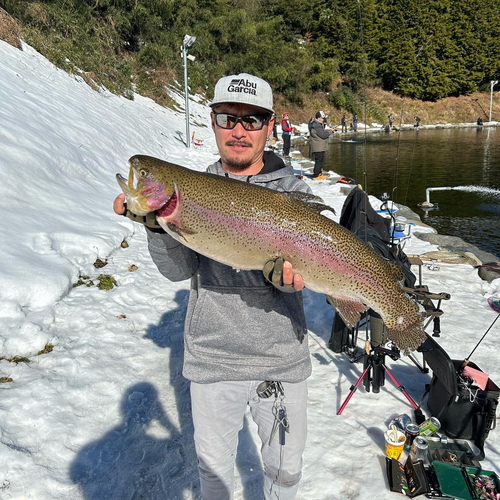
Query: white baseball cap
(244,89)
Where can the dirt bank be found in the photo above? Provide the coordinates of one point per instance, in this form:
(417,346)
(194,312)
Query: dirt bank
(454,110)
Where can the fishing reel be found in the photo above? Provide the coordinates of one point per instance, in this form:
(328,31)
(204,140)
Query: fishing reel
(385,197)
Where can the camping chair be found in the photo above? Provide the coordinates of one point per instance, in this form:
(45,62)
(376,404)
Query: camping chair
(427,299)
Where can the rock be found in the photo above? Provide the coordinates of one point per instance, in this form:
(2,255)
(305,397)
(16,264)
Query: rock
(489,272)
(449,257)
(426,204)
(404,211)
(457,245)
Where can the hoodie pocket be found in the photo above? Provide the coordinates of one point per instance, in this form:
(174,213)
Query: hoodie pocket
(256,325)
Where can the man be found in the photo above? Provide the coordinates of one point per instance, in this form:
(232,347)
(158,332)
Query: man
(275,133)
(343,123)
(286,132)
(355,122)
(319,140)
(240,329)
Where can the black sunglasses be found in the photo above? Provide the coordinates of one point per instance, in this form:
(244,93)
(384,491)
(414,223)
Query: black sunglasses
(249,122)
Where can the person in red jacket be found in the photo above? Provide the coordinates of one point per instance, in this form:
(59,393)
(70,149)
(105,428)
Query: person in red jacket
(286,132)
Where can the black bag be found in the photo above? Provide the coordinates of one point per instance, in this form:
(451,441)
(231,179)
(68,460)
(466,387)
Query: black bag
(340,335)
(465,412)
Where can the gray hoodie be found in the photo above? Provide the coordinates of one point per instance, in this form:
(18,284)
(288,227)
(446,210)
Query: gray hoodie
(238,326)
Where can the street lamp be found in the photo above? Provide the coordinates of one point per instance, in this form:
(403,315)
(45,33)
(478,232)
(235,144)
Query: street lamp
(188,41)
(493,83)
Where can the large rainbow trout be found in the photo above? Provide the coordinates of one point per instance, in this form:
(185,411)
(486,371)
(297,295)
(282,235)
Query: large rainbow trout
(245,226)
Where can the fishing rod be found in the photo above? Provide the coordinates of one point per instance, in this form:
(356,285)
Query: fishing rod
(466,360)
(482,109)
(365,142)
(363,59)
(396,167)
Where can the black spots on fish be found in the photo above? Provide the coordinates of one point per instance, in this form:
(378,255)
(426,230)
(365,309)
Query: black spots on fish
(405,325)
(408,339)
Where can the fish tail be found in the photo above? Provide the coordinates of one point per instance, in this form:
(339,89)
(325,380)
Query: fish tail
(409,332)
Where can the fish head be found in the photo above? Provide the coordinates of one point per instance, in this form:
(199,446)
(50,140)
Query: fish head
(145,188)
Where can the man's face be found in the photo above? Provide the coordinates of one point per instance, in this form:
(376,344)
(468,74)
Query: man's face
(240,148)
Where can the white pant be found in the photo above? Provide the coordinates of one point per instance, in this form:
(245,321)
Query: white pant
(218,413)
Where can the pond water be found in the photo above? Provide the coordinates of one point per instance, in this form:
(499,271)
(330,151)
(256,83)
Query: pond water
(406,164)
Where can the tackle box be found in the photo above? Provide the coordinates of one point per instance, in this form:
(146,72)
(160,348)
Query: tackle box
(454,450)
(456,482)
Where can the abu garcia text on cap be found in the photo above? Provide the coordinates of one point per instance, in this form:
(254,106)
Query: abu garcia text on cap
(242,85)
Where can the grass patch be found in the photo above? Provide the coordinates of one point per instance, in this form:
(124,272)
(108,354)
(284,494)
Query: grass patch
(84,280)
(22,359)
(48,348)
(17,359)
(4,380)
(106,282)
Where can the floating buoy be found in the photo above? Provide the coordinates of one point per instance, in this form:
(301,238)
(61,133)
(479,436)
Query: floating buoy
(427,205)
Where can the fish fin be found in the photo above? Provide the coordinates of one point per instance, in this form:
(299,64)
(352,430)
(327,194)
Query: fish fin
(411,335)
(304,197)
(311,200)
(179,230)
(349,309)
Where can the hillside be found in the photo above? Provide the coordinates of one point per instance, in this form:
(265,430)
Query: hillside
(379,103)
(93,401)
(454,110)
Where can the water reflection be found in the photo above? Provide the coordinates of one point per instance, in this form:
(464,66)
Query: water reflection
(407,163)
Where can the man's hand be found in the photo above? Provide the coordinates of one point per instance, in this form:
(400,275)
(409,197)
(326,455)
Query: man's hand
(280,273)
(148,220)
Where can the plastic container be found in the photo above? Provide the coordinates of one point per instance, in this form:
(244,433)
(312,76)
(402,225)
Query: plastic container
(455,482)
(394,443)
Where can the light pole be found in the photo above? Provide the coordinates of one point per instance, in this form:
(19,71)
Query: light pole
(188,41)
(493,83)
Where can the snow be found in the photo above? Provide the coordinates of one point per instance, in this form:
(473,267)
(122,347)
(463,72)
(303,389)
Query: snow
(106,414)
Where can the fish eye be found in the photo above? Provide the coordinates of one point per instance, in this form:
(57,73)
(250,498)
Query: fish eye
(142,172)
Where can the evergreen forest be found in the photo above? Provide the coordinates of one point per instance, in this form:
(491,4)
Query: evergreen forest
(425,50)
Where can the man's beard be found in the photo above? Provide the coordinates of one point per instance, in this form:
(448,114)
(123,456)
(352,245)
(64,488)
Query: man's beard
(238,164)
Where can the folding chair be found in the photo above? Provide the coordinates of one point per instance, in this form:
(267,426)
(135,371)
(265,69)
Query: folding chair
(427,299)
